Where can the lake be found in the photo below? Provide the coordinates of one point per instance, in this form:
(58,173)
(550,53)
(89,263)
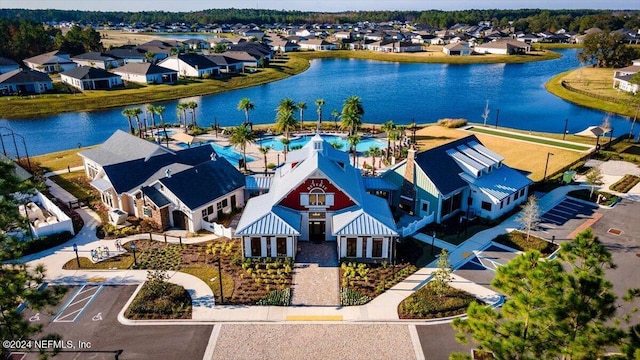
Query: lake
(389,91)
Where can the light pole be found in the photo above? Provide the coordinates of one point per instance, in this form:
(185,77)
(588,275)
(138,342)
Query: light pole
(433,239)
(544,178)
(220,279)
(497,117)
(75,248)
(413,131)
(133,248)
(635,117)
(278,160)
(564,133)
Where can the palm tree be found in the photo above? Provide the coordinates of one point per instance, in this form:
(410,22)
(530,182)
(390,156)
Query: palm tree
(246,105)
(151,109)
(264,150)
(374,152)
(354,140)
(285,122)
(241,136)
(351,116)
(286,104)
(182,107)
(192,105)
(159,110)
(302,106)
(136,113)
(394,136)
(388,127)
(335,115)
(319,104)
(129,114)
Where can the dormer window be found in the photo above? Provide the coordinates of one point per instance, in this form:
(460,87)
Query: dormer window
(317,197)
(317,145)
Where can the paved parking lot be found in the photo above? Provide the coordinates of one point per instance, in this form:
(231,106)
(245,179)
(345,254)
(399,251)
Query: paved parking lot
(88,314)
(563,218)
(481,267)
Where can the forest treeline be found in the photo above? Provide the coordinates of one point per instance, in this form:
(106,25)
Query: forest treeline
(530,20)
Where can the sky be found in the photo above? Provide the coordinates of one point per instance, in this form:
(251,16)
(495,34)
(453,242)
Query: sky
(311,5)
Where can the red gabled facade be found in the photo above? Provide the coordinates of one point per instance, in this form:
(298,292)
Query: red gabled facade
(341,200)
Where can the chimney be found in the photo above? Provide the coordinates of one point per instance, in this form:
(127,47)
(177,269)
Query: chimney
(408,190)
(168,173)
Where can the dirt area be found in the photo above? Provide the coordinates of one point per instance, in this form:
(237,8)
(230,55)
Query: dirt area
(518,154)
(118,38)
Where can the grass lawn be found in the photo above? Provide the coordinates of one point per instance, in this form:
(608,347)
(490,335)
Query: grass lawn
(120,262)
(211,277)
(597,81)
(518,240)
(520,155)
(426,304)
(59,160)
(529,139)
(76,183)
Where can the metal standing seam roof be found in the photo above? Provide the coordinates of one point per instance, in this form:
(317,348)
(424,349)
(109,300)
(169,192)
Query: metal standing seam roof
(484,151)
(500,183)
(475,155)
(257,182)
(275,222)
(378,183)
(464,161)
(101,184)
(358,222)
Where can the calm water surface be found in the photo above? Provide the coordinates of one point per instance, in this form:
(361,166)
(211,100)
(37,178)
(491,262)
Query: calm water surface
(389,91)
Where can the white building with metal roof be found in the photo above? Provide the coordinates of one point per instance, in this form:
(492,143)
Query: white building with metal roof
(316,196)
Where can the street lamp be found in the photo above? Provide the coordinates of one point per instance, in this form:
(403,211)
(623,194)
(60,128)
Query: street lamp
(133,248)
(220,279)
(564,133)
(544,178)
(433,239)
(278,160)
(75,248)
(497,116)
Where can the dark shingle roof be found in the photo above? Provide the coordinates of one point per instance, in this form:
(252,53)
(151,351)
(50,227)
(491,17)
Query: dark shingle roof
(128,53)
(204,183)
(222,60)
(441,168)
(93,56)
(143,69)
(6,62)
(88,72)
(196,60)
(23,76)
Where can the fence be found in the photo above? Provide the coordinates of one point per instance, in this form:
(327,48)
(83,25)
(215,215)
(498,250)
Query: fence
(586,93)
(76,204)
(218,229)
(416,225)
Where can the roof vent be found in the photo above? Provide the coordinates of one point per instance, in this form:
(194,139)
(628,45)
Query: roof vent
(168,173)
(213,156)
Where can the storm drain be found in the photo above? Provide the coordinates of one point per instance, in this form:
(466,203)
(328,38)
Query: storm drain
(615,231)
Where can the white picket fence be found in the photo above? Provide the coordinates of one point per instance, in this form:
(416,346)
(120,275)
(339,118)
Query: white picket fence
(416,225)
(218,229)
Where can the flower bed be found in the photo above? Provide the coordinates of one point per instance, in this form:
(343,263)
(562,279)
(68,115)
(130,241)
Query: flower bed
(518,240)
(426,304)
(625,184)
(160,300)
(361,281)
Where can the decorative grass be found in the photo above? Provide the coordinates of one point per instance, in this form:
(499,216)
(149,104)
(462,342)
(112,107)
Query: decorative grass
(426,304)
(276,298)
(350,297)
(452,123)
(518,240)
(530,139)
(625,184)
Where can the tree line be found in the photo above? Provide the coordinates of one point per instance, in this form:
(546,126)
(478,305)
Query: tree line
(21,39)
(530,20)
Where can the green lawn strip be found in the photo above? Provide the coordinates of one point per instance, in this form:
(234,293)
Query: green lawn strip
(210,276)
(407,58)
(518,240)
(584,194)
(426,304)
(530,139)
(625,184)
(74,183)
(120,262)
(59,160)
(49,104)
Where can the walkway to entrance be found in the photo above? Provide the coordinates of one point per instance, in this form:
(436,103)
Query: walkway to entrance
(316,274)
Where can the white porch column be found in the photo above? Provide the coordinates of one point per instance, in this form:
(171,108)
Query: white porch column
(274,247)
(263,247)
(359,246)
(369,247)
(247,246)
(385,247)
(290,246)
(343,246)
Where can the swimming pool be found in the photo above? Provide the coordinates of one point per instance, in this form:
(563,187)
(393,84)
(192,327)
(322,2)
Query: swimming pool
(164,133)
(228,152)
(364,144)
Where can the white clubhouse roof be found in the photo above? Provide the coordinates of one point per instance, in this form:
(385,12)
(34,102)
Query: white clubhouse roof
(499,183)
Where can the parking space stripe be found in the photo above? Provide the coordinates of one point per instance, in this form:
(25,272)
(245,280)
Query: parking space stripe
(61,316)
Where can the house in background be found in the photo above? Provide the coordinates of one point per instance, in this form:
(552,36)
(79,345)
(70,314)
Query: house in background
(51,62)
(227,64)
(458,178)
(622,77)
(190,65)
(183,189)
(131,54)
(90,78)
(317,196)
(7,65)
(460,49)
(97,60)
(25,82)
(146,73)
(503,47)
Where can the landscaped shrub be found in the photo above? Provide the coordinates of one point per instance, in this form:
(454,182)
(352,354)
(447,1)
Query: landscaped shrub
(425,304)
(625,184)
(350,297)
(452,123)
(45,242)
(276,298)
(159,299)
(518,240)
(583,194)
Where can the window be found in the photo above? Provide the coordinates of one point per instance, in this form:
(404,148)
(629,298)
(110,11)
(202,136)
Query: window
(225,203)
(516,195)
(256,246)
(425,206)
(93,170)
(204,213)
(451,204)
(146,211)
(210,209)
(522,192)
(317,197)
(351,247)
(486,206)
(377,247)
(219,206)
(281,246)
(509,200)
(501,204)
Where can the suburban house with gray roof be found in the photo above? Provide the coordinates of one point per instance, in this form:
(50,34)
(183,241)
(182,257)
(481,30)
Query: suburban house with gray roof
(51,62)
(146,73)
(24,82)
(90,78)
(98,60)
(181,189)
(317,196)
(7,65)
(462,177)
(190,65)
(622,77)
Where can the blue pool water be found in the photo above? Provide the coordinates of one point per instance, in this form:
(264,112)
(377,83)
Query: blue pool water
(228,152)
(165,133)
(364,145)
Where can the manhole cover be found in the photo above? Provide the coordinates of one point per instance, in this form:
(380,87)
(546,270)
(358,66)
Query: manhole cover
(615,231)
